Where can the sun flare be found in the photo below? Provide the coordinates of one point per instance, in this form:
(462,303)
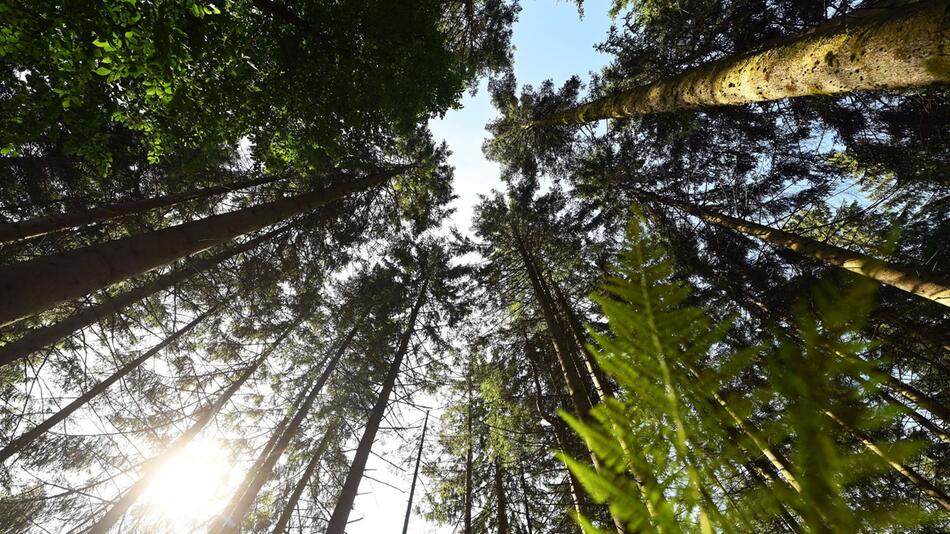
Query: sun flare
(192,486)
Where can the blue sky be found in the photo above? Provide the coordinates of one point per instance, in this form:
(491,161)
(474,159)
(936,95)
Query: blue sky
(551,42)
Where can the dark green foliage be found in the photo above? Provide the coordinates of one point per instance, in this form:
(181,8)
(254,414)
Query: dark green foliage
(676,459)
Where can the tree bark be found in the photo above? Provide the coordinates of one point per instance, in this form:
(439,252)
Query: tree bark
(230,521)
(341,512)
(895,49)
(28,437)
(582,395)
(415,475)
(467,511)
(907,472)
(41,337)
(579,500)
(287,512)
(601,383)
(925,285)
(526,501)
(154,466)
(44,225)
(501,501)
(32,286)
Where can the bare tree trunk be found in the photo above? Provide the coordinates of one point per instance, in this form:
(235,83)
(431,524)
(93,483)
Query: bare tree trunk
(28,437)
(923,284)
(259,462)
(287,512)
(601,383)
(580,392)
(895,49)
(41,337)
(32,286)
(467,512)
(501,501)
(924,485)
(230,521)
(415,475)
(153,466)
(526,501)
(341,512)
(579,500)
(44,225)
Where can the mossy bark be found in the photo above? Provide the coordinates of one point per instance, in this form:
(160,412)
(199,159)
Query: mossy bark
(894,49)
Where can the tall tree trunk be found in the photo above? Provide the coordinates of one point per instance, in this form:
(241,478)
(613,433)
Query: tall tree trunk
(601,383)
(579,500)
(526,501)
(155,465)
(230,521)
(251,475)
(924,422)
(469,439)
(415,475)
(896,49)
(582,395)
(280,527)
(341,512)
(28,437)
(924,485)
(582,391)
(32,286)
(922,284)
(44,225)
(39,338)
(501,501)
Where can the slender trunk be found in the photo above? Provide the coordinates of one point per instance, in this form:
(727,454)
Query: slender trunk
(41,337)
(581,395)
(467,512)
(230,521)
(897,49)
(36,285)
(154,466)
(341,512)
(287,512)
(922,284)
(524,495)
(501,501)
(918,397)
(905,390)
(44,225)
(601,383)
(260,461)
(415,475)
(28,437)
(940,433)
(579,499)
(907,472)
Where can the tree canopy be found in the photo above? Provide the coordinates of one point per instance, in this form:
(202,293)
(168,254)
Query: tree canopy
(712,295)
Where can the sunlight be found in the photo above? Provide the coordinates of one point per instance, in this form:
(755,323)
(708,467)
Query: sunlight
(192,486)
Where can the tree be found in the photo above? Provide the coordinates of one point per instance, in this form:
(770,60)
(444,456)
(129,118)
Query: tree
(99,265)
(344,503)
(869,53)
